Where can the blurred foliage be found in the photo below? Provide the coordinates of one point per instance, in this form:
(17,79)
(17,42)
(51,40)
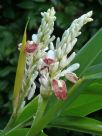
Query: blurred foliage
(14,14)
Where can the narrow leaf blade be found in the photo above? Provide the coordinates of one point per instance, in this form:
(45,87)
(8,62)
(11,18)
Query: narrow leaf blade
(81,124)
(20,71)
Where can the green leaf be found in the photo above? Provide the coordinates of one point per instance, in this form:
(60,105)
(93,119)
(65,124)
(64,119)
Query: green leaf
(91,103)
(98,59)
(18,132)
(20,71)
(89,53)
(81,124)
(94,69)
(43,134)
(90,98)
(28,112)
(94,88)
(94,76)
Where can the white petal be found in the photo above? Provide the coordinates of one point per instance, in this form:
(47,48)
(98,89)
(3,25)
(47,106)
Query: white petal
(44,81)
(59,83)
(59,52)
(70,58)
(63,61)
(31,91)
(51,46)
(51,54)
(73,67)
(30,42)
(34,38)
(19,46)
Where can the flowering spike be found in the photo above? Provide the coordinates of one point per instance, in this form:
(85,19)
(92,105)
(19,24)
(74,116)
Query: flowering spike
(51,62)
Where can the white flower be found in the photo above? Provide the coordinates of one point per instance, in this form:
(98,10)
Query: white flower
(53,62)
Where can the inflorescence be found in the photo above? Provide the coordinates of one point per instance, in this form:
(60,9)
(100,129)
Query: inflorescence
(49,61)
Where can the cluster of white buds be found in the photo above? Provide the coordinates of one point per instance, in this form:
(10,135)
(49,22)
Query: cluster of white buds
(52,62)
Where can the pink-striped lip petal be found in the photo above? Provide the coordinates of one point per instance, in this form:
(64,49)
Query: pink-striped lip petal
(72,77)
(60,91)
(31,47)
(50,57)
(48,61)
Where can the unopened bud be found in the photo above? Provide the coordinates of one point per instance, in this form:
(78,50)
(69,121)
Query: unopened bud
(30,47)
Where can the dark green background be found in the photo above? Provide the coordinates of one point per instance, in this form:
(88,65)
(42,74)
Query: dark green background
(13,17)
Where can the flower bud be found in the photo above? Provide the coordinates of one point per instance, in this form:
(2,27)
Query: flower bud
(71,77)
(31,47)
(49,58)
(60,89)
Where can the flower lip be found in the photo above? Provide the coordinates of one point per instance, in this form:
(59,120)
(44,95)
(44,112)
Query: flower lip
(60,89)
(31,47)
(72,77)
(49,58)
(48,61)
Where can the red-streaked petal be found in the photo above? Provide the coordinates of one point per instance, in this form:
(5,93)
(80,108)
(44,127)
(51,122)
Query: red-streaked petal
(59,91)
(30,47)
(72,77)
(48,61)
(50,57)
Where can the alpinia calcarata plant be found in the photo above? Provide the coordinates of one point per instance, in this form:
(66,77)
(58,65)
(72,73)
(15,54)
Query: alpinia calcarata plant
(68,82)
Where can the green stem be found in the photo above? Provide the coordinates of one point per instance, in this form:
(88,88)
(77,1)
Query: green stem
(42,103)
(55,109)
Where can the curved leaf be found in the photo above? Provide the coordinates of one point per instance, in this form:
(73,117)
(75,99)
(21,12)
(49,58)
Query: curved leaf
(94,69)
(81,124)
(84,105)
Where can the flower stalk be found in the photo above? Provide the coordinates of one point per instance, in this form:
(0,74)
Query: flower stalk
(42,103)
